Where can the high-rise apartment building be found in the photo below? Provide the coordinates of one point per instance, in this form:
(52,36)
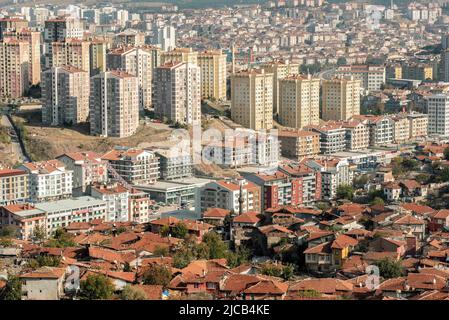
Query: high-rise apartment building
(165,38)
(438,113)
(252,99)
(372,77)
(180,55)
(11,24)
(280,70)
(114,108)
(57,30)
(177,93)
(97,55)
(213,74)
(65,95)
(299,101)
(138,62)
(340,99)
(14,68)
(34,41)
(72,52)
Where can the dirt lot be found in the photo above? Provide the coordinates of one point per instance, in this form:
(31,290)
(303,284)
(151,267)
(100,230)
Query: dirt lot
(44,143)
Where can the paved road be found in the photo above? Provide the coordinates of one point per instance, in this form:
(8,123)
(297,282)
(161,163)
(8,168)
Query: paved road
(326,74)
(14,140)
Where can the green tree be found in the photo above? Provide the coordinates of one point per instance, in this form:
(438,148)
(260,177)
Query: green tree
(164,231)
(444,175)
(323,206)
(8,232)
(377,201)
(181,259)
(5,242)
(161,251)
(179,230)
(132,293)
(44,261)
(39,233)
(61,239)
(96,287)
(12,290)
(160,275)
(278,270)
(389,268)
(360,181)
(217,247)
(345,191)
(446,153)
(422,178)
(239,257)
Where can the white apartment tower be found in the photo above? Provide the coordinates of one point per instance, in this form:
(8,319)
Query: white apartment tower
(114,108)
(165,38)
(438,112)
(177,93)
(65,95)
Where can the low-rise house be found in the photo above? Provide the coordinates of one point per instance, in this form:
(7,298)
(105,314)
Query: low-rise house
(411,285)
(319,257)
(392,191)
(271,235)
(412,190)
(215,216)
(46,283)
(410,224)
(439,220)
(196,228)
(388,245)
(325,287)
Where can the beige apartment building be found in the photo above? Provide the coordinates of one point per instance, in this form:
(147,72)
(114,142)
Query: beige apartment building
(252,99)
(299,102)
(97,56)
(357,134)
(297,144)
(340,99)
(401,128)
(34,41)
(13,186)
(280,70)
(179,55)
(177,92)
(72,52)
(418,124)
(65,96)
(11,24)
(129,38)
(138,62)
(114,108)
(14,68)
(213,74)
